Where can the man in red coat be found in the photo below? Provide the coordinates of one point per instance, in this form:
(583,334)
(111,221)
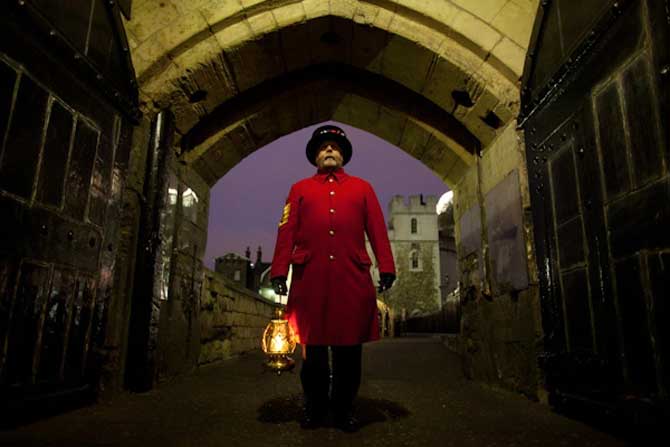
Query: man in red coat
(332,302)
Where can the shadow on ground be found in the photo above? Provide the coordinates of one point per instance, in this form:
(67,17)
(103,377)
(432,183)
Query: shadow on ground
(368,411)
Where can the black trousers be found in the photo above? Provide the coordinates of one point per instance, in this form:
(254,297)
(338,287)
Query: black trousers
(315,376)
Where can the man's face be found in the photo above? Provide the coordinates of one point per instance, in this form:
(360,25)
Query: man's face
(329,155)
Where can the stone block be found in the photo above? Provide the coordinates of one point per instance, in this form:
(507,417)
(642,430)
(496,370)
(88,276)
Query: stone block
(198,5)
(343,8)
(150,54)
(439,157)
(502,84)
(247,4)
(441,12)
(414,138)
(418,31)
(390,125)
(511,55)
(362,112)
(202,167)
(483,36)
(486,10)
(156,15)
(316,8)
(262,23)
(365,14)
(406,63)
(160,87)
(474,119)
(233,34)
(183,28)
(215,11)
(221,158)
(289,14)
(263,126)
(470,231)
(515,20)
(256,61)
(384,18)
(501,157)
(443,79)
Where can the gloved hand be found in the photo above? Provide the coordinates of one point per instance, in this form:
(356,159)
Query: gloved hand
(385,281)
(279,285)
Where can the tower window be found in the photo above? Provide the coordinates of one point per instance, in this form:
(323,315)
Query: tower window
(414,225)
(415,260)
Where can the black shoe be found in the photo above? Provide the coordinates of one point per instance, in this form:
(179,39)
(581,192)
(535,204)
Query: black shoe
(312,419)
(347,423)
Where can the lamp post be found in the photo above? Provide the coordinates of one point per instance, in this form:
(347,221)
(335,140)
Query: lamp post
(278,343)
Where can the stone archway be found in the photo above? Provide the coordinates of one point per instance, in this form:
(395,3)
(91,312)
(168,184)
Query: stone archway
(437,79)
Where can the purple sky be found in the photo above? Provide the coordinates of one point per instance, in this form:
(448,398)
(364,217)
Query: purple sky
(246,204)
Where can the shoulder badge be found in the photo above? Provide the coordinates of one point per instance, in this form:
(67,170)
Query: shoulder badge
(285,214)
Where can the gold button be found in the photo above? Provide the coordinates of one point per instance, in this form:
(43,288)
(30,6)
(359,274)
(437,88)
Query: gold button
(331,257)
(332,193)
(332,232)
(332,211)
(330,180)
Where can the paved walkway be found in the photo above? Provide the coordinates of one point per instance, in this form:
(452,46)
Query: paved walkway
(413,394)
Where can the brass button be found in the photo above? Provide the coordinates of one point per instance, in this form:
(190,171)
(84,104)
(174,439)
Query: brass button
(330,180)
(332,232)
(332,193)
(331,257)
(332,211)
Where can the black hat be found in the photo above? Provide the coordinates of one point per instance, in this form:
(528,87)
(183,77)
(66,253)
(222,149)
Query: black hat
(332,133)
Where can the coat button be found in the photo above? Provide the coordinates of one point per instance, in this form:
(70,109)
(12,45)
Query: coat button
(332,232)
(332,211)
(332,193)
(331,257)
(330,180)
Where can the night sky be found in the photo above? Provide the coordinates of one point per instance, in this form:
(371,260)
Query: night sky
(246,204)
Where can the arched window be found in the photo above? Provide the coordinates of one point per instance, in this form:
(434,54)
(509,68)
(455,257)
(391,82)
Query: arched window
(414,225)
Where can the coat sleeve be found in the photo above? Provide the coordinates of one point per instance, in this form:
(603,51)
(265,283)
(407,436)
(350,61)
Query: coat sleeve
(288,225)
(375,227)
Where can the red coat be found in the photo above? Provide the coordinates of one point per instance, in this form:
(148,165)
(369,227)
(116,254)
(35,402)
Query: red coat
(332,300)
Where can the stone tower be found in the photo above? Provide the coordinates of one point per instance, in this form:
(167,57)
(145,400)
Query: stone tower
(413,234)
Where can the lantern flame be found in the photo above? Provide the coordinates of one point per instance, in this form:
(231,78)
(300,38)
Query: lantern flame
(278,343)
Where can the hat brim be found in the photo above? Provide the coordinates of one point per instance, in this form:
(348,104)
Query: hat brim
(314,144)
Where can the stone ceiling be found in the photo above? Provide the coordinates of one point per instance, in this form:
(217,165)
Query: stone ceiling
(464,57)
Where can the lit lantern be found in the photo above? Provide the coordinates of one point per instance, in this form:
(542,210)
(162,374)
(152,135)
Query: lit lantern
(279,343)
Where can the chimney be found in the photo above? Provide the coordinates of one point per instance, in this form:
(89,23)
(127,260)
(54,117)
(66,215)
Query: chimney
(259,255)
(248,253)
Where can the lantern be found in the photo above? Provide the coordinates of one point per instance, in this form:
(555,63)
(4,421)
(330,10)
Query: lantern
(279,343)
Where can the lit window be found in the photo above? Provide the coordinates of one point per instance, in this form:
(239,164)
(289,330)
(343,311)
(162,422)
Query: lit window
(414,225)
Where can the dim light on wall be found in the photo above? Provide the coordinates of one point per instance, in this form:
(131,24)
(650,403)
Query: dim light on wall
(278,343)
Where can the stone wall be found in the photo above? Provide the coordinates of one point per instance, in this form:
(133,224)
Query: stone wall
(232,318)
(501,328)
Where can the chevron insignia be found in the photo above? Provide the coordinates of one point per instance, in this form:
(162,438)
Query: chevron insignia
(285,214)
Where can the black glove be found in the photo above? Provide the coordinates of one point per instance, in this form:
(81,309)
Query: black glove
(279,285)
(385,281)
